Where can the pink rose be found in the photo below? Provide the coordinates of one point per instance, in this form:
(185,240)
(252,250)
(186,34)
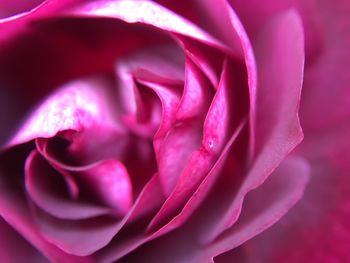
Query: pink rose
(164,131)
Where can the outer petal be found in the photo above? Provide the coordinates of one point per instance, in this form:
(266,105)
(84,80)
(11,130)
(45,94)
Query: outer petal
(183,246)
(317,229)
(278,129)
(267,204)
(13,248)
(151,13)
(327,39)
(327,79)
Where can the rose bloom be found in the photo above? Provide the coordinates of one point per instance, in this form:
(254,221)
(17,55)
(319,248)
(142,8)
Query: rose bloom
(174,131)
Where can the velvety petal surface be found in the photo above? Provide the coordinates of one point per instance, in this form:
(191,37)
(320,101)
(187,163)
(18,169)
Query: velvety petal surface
(203,158)
(317,228)
(11,8)
(11,243)
(183,245)
(77,106)
(14,209)
(278,128)
(47,189)
(320,219)
(146,12)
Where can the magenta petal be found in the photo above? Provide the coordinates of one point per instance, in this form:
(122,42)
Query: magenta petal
(201,193)
(13,248)
(12,8)
(186,178)
(111,183)
(219,118)
(164,62)
(226,23)
(327,78)
(278,128)
(43,186)
(14,209)
(197,93)
(76,237)
(162,65)
(266,205)
(207,59)
(149,200)
(146,12)
(76,106)
(175,152)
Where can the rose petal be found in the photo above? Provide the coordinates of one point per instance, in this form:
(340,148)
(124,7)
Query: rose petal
(201,161)
(326,76)
(109,181)
(183,245)
(149,200)
(163,63)
(204,188)
(174,151)
(86,237)
(14,209)
(266,205)
(76,237)
(278,128)
(151,13)
(14,248)
(76,106)
(197,93)
(147,12)
(170,98)
(226,23)
(208,59)
(43,186)
(320,218)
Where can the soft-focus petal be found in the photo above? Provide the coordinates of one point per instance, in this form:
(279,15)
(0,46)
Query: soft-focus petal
(321,218)
(76,237)
(14,209)
(11,243)
(12,8)
(327,78)
(267,204)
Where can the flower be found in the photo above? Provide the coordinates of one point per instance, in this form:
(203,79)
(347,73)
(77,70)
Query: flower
(137,130)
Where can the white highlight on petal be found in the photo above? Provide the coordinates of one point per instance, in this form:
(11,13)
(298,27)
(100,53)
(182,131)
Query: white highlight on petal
(147,12)
(76,106)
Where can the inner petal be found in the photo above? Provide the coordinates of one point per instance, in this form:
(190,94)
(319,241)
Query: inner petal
(109,182)
(48,190)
